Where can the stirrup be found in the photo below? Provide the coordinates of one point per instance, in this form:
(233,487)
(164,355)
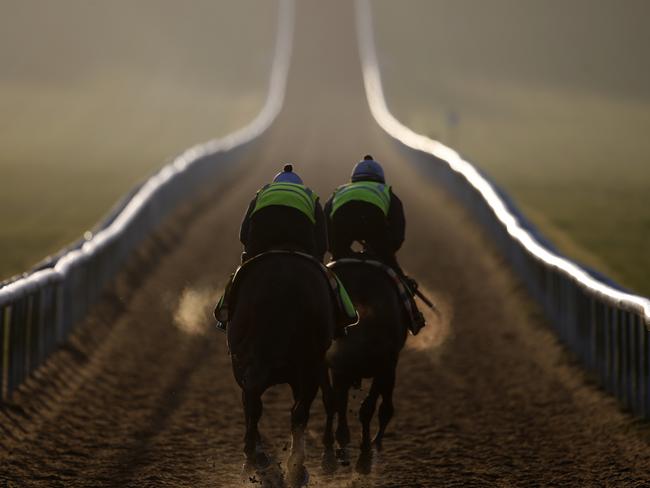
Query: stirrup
(222,326)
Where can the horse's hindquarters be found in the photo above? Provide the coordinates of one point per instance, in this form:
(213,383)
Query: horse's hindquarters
(282,322)
(374,344)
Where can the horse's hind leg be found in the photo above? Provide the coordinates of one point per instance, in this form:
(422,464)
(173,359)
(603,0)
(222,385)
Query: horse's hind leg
(386,408)
(328,462)
(341,387)
(253,412)
(366,412)
(329,402)
(304,395)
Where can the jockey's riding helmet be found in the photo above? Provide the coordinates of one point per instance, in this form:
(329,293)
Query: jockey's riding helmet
(287,176)
(368,170)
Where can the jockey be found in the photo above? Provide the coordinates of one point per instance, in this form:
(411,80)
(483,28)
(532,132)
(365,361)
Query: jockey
(367,211)
(284,214)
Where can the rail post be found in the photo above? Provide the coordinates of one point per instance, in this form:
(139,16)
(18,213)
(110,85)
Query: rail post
(642,366)
(626,349)
(633,388)
(4,351)
(30,334)
(17,344)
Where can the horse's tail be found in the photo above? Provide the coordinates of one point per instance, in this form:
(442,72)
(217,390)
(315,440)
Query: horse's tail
(271,345)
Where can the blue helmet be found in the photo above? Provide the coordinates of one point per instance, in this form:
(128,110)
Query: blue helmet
(287,176)
(368,170)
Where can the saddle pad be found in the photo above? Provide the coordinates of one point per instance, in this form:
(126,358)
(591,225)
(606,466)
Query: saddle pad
(341,298)
(404,292)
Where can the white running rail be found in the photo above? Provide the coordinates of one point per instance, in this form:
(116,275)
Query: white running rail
(605,326)
(38,311)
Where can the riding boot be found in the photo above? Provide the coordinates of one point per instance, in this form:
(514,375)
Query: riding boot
(221,311)
(341,322)
(418,321)
(345,314)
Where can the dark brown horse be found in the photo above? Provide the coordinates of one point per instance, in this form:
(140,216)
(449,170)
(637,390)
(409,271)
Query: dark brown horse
(280,329)
(370,350)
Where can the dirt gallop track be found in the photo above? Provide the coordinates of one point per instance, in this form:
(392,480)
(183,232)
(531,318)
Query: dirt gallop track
(144,395)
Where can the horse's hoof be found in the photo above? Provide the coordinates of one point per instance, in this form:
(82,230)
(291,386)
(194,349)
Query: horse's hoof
(328,440)
(364,463)
(298,476)
(378,444)
(329,462)
(262,461)
(247,468)
(256,461)
(365,447)
(343,437)
(343,455)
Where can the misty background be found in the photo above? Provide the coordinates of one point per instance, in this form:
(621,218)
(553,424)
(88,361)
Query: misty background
(95,96)
(551,98)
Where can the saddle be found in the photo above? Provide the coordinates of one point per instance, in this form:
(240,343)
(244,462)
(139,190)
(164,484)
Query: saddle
(404,292)
(345,313)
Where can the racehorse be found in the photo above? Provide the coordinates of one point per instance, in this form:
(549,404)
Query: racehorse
(281,326)
(370,349)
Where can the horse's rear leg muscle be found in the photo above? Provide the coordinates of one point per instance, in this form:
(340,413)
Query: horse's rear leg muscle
(341,387)
(329,402)
(386,408)
(367,410)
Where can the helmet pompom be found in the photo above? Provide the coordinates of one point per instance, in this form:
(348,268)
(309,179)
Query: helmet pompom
(288,168)
(368,157)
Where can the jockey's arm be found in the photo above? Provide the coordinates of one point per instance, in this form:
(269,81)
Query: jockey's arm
(245,224)
(328,219)
(328,206)
(396,222)
(320,232)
